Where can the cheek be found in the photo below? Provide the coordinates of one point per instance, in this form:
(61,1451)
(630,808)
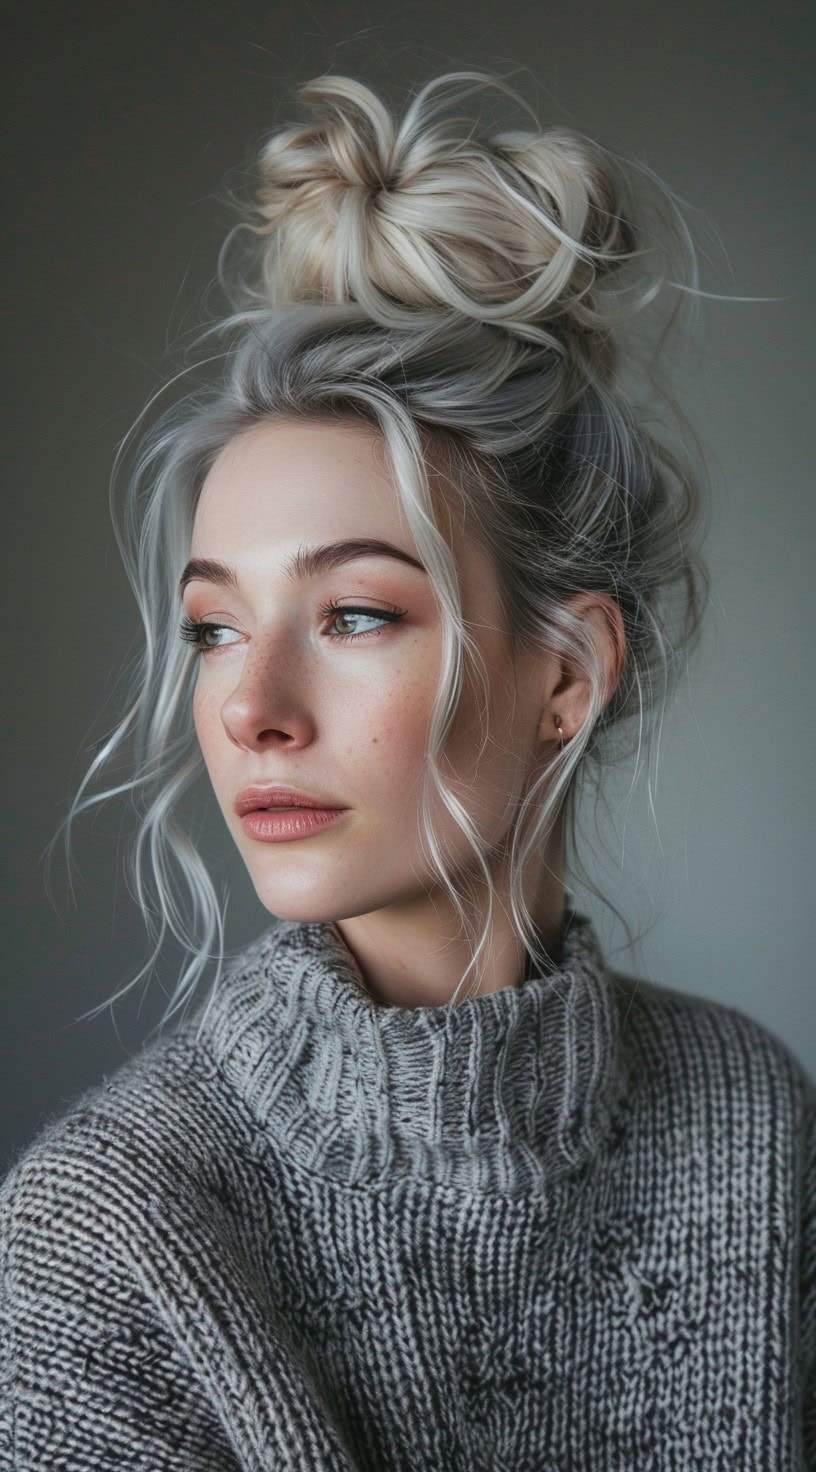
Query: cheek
(387,727)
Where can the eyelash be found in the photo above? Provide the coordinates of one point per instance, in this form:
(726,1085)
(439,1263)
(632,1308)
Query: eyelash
(193,632)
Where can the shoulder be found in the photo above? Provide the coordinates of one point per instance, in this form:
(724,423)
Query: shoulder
(93,1176)
(714,1057)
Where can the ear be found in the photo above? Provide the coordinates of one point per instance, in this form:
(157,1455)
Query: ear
(567,687)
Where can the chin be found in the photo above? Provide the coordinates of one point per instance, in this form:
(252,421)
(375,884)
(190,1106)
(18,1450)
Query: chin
(304,901)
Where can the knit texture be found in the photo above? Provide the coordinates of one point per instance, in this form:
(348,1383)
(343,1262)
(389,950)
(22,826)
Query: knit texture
(569,1226)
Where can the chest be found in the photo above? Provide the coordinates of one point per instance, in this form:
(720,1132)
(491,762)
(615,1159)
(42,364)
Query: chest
(608,1326)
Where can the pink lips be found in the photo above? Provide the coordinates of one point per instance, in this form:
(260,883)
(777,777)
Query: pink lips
(277,814)
(267,795)
(281,826)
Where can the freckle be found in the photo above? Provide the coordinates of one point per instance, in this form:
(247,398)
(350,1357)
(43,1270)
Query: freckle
(375,739)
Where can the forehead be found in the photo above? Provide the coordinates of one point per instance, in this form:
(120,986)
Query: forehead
(283,480)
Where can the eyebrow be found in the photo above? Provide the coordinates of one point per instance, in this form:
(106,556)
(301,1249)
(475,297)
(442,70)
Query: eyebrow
(307,562)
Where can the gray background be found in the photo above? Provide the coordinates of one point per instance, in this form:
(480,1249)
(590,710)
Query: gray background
(121,124)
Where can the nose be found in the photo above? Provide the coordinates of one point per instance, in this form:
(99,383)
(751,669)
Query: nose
(266,708)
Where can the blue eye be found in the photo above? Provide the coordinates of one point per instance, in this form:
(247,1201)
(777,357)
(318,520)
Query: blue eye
(337,611)
(193,633)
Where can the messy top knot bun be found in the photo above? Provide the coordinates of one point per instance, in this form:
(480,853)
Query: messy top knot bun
(518,229)
(492,304)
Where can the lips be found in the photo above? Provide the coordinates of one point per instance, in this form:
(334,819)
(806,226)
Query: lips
(249,799)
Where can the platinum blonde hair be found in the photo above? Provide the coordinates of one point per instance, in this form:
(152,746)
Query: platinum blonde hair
(494,303)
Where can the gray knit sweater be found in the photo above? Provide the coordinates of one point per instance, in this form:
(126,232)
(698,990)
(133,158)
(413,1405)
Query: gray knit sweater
(568,1226)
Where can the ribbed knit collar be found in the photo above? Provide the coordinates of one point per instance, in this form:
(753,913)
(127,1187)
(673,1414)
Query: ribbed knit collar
(501,1093)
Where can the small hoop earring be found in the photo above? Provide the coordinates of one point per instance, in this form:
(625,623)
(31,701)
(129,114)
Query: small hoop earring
(560,733)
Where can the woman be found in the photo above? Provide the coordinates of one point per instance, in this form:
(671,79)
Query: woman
(425,1183)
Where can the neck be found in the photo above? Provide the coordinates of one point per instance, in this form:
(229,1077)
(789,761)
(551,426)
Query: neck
(413,954)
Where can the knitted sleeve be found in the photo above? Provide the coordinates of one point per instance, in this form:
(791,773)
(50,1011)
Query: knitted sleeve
(808,1288)
(89,1378)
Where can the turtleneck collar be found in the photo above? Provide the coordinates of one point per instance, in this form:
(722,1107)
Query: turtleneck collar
(500,1093)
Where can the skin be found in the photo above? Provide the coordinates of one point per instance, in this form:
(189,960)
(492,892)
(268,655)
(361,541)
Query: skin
(279,697)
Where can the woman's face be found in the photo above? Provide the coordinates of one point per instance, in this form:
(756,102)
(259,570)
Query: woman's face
(336,704)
